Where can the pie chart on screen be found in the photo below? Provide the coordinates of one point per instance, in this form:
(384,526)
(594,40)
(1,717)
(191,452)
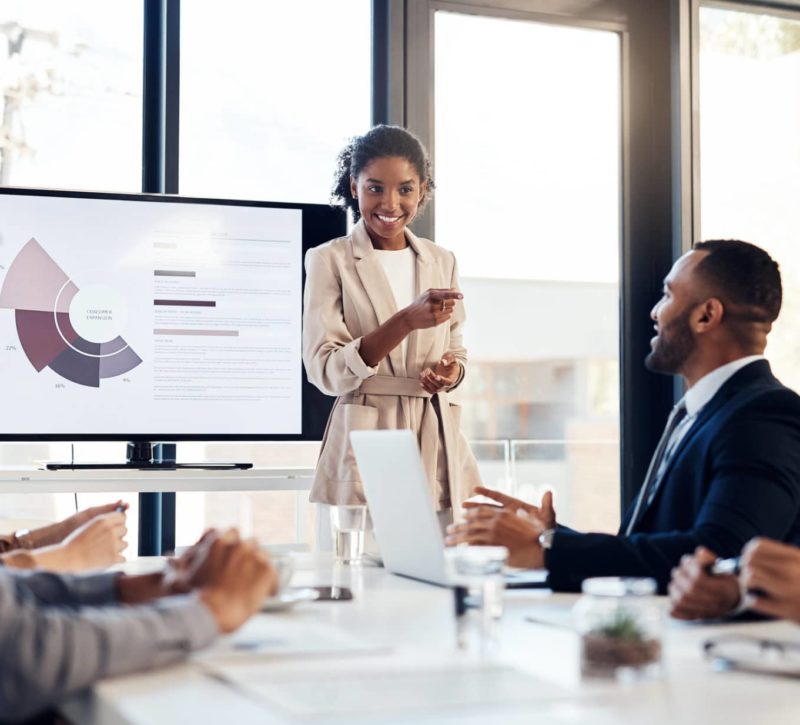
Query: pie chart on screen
(73,331)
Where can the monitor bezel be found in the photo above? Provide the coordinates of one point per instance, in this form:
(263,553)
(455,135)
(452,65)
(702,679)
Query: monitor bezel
(315,405)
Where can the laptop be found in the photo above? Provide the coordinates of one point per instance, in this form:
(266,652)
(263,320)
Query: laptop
(406,525)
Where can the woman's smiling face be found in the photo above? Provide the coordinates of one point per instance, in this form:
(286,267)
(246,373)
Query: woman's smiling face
(389,192)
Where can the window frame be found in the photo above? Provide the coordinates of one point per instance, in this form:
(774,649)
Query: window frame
(651,185)
(160,169)
(690,58)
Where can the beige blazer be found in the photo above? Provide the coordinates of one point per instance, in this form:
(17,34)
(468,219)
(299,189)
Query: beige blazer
(347,296)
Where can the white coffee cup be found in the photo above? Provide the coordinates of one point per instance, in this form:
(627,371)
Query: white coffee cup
(284,564)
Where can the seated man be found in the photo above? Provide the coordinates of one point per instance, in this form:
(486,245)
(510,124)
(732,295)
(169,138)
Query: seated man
(90,539)
(59,633)
(768,583)
(727,468)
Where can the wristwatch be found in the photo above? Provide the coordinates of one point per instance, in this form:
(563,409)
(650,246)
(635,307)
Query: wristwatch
(546,539)
(24,538)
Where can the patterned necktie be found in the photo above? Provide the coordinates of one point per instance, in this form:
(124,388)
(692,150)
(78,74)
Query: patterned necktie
(658,463)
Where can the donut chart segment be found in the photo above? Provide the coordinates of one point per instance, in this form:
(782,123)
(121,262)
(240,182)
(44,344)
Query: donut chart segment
(119,364)
(40,293)
(34,280)
(39,337)
(77,368)
(111,348)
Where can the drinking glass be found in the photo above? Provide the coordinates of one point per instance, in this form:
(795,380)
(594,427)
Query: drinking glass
(479,571)
(348,524)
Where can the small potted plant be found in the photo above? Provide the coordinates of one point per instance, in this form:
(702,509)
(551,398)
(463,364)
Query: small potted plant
(619,625)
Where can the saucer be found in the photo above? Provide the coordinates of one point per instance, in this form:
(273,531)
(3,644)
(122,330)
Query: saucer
(288,598)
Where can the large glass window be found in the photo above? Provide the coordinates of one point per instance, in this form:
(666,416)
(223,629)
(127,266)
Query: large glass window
(269,94)
(70,117)
(527,164)
(750,150)
(71,94)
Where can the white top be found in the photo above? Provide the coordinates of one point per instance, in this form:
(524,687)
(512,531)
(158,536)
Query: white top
(400,267)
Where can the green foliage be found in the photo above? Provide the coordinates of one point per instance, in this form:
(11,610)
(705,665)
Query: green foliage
(746,34)
(623,626)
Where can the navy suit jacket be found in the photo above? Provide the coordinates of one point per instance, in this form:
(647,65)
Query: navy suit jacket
(735,475)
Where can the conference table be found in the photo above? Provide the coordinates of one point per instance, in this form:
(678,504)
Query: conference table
(390,655)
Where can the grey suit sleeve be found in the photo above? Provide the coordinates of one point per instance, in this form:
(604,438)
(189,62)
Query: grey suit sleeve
(66,590)
(49,649)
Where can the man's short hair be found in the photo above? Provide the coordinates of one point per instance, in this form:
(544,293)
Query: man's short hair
(744,277)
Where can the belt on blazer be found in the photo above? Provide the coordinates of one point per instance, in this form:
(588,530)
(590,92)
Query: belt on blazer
(390,385)
(429,425)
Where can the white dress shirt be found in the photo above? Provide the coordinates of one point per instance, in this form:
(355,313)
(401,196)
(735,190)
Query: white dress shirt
(701,393)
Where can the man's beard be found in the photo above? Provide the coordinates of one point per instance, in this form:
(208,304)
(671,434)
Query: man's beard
(673,347)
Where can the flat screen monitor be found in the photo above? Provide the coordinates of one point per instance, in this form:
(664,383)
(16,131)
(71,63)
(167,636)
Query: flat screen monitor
(158,318)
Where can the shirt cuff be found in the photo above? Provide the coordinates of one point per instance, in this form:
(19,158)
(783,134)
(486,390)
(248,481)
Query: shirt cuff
(94,589)
(745,600)
(201,628)
(460,378)
(355,362)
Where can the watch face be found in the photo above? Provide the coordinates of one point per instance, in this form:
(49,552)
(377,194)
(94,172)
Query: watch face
(546,539)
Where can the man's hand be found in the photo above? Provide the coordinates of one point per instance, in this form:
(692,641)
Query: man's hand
(771,574)
(236,579)
(494,526)
(183,572)
(56,533)
(175,579)
(95,545)
(696,594)
(443,377)
(545,514)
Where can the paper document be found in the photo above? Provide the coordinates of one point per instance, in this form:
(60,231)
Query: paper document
(280,638)
(367,692)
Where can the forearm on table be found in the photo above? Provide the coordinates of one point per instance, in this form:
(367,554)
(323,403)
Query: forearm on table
(575,556)
(142,588)
(52,558)
(28,539)
(39,662)
(46,535)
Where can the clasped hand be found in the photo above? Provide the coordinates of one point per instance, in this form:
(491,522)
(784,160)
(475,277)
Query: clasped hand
(770,573)
(443,377)
(233,576)
(513,524)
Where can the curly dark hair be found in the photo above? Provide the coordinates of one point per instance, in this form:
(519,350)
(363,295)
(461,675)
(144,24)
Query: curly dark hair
(744,277)
(379,142)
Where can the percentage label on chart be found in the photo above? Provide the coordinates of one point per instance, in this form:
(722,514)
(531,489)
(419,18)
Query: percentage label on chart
(126,380)
(60,385)
(2,267)
(11,348)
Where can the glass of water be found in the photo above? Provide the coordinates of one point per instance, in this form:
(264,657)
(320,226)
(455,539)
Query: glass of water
(479,571)
(348,524)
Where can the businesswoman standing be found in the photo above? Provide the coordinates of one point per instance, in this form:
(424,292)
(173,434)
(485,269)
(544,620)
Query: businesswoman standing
(382,323)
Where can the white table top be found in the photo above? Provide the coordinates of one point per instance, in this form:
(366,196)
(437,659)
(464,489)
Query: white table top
(410,625)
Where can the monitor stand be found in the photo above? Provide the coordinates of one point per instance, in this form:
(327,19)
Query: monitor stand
(146,456)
